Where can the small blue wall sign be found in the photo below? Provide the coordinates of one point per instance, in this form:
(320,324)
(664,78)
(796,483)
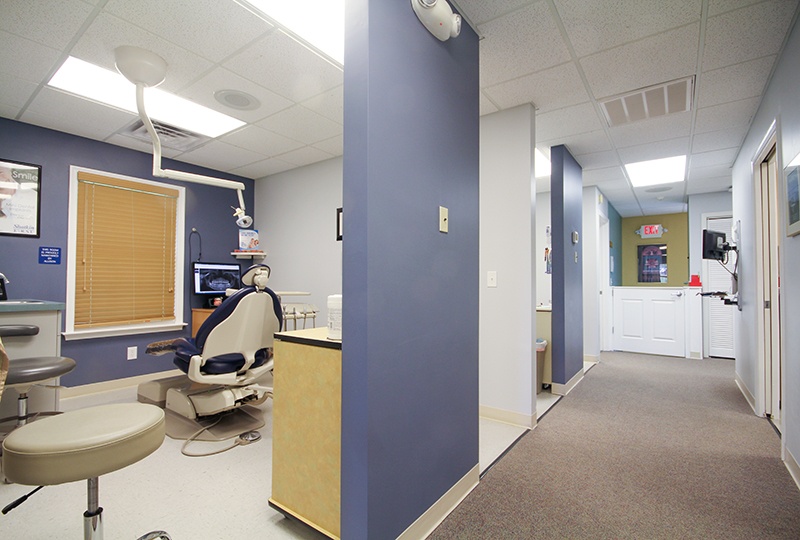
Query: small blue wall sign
(49,255)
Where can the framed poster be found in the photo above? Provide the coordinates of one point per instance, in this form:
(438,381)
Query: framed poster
(792,174)
(20,198)
(652,264)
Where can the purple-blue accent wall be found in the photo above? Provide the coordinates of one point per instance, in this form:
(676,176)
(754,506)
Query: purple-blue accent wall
(410,292)
(208,209)
(566,210)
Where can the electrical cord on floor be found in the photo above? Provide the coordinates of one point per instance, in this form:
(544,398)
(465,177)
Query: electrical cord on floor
(240,441)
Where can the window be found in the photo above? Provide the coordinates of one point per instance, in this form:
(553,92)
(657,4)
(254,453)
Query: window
(125,238)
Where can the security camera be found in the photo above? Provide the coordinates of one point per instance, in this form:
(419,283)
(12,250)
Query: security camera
(438,18)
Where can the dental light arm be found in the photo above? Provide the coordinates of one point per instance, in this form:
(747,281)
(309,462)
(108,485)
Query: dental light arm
(243,220)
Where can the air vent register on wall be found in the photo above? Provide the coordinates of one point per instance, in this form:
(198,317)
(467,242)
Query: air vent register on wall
(146,69)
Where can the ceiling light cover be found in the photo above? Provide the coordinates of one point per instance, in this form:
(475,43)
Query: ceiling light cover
(110,88)
(657,171)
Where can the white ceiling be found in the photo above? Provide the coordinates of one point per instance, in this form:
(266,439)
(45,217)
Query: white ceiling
(564,56)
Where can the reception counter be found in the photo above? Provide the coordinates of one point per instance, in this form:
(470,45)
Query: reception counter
(306,428)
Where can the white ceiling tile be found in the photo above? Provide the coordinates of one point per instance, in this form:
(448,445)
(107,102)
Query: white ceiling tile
(220,156)
(505,51)
(329,104)
(717,140)
(263,168)
(598,160)
(481,11)
(596,26)
(709,185)
(628,208)
(583,143)
(302,124)
(655,150)
(202,92)
(486,106)
(14,92)
(25,59)
(715,7)
(653,129)
(664,207)
(705,173)
(108,32)
(277,62)
(716,158)
(549,89)
(653,60)
(333,146)
(49,23)
(747,33)
(566,122)
(63,112)
(734,115)
(260,140)
(608,176)
(732,83)
(305,156)
(211,29)
(8,111)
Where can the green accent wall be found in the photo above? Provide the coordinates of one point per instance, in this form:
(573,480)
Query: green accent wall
(676,239)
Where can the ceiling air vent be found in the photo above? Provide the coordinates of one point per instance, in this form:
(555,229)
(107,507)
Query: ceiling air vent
(651,102)
(170,136)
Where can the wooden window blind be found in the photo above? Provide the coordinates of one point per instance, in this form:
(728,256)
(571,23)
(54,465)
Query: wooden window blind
(125,252)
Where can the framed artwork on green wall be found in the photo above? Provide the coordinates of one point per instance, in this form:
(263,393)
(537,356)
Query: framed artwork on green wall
(652,263)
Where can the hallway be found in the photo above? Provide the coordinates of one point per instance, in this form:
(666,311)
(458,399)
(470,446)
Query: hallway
(643,447)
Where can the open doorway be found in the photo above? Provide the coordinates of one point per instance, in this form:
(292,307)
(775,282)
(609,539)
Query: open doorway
(766,183)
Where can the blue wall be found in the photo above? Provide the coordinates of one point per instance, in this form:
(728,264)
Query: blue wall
(207,209)
(410,293)
(615,237)
(566,210)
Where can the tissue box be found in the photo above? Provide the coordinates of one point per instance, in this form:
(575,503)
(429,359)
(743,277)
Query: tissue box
(248,240)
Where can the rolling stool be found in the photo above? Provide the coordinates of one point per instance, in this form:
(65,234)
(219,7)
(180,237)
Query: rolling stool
(82,445)
(24,373)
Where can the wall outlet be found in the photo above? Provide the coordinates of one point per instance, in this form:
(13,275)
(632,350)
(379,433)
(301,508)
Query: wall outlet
(443,225)
(133,352)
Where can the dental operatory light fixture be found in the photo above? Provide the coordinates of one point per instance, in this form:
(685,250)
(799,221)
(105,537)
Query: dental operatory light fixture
(319,23)
(438,18)
(657,171)
(146,69)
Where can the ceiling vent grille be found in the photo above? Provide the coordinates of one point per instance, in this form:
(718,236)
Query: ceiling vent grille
(651,102)
(170,136)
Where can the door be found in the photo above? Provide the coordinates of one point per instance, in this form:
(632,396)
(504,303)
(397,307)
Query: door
(768,245)
(650,320)
(604,284)
(717,276)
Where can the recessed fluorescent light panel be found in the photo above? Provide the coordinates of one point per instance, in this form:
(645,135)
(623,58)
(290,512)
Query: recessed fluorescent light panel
(110,88)
(541,165)
(318,22)
(657,171)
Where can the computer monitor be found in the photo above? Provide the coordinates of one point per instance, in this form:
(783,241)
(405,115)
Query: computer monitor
(212,279)
(714,245)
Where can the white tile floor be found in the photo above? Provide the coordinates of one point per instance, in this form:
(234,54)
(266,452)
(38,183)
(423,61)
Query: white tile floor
(215,497)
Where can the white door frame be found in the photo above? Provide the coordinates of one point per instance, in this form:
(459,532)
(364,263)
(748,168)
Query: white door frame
(770,359)
(604,284)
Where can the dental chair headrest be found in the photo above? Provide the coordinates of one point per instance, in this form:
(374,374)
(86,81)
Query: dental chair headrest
(257,276)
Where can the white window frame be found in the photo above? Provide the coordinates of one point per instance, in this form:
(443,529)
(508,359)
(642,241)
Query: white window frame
(175,324)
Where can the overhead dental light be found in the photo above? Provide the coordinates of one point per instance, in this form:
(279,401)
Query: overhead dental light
(438,18)
(146,69)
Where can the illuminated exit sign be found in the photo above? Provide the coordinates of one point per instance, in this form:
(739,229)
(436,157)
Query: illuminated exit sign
(651,231)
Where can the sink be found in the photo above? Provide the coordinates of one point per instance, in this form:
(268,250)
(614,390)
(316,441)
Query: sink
(6,302)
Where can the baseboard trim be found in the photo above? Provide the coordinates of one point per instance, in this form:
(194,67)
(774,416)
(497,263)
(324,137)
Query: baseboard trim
(116,384)
(427,522)
(564,389)
(592,358)
(745,392)
(794,468)
(508,417)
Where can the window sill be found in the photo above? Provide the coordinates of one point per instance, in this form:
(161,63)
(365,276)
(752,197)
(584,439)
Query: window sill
(114,331)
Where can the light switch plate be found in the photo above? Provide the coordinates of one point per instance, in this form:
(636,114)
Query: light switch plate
(133,352)
(443,226)
(491,278)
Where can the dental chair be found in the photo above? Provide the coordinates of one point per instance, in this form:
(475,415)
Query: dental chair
(228,366)
(80,445)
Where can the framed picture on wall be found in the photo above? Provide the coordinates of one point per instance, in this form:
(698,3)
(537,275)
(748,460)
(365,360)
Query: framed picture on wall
(20,202)
(652,264)
(792,175)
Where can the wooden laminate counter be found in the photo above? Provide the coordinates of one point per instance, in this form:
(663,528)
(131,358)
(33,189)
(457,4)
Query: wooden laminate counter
(306,428)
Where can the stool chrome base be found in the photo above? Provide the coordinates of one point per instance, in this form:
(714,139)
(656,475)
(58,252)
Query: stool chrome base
(93,517)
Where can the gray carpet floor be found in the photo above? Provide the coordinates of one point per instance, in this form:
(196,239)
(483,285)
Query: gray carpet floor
(644,447)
